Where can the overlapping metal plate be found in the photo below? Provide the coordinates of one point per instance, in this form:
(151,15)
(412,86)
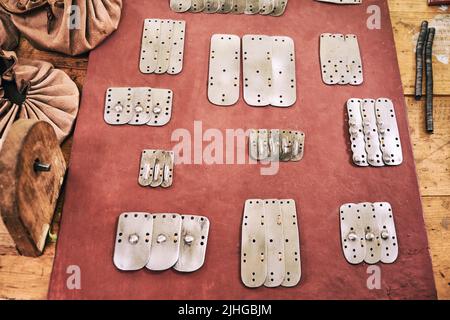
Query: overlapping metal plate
(257,69)
(180,5)
(138,106)
(276,145)
(374,135)
(193,242)
(224,69)
(160,241)
(132,246)
(269,71)
(340,59)
(251,7)
(368,233)
(270,248)
(156,168)
(162,47)
(165,248)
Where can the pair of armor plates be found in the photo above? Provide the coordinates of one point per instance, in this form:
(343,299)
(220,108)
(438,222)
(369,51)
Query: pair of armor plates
(368,233)
(268,70)
(162,47)
(270,248)
(156,168)
(138,106)
(265,7)
(160,241)
(276,145)
(340,59)
(374,135)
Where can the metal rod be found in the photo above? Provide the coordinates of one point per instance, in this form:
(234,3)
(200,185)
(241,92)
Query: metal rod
(429,80)
(420,54)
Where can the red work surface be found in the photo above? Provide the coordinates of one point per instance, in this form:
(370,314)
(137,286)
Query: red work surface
(103,176)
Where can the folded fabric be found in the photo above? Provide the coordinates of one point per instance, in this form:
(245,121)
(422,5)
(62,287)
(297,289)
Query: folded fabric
(69,26)
(9,35)
(21,6)
(36,90)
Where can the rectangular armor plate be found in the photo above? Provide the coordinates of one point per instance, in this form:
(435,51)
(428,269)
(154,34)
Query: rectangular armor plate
(165,45)
(284,87)
(298,146)
(352,233)
(371,233)
(266,6)
(177,49)
(118,110)
(275,243)
(354,62)
(239,6)
(138,106)
(252,7)
(374,155)
(193,241)
(279,7)
(140,100)
(197,6)
(165,249)
(226,6)
(150,45)
(254,246)
(161,112)
(368,233)
(291,243)
(180,5)
(133,241)
(224,69)
(388,235)
(156,168)
(388,132)
(355,123)
(257,69)
(212,6)
(340,59)
(275,144)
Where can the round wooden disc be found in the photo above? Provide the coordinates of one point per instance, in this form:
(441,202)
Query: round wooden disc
(28,197)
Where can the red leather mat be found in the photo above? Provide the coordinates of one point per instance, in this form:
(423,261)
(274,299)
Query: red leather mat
(102,181)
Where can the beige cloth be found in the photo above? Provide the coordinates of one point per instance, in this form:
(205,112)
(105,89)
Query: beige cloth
(49,94)
(9,35)
(47,28)
(21,6)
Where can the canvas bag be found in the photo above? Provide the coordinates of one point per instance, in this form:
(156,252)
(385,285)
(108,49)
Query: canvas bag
(72,27)
(9,35)
(36,90)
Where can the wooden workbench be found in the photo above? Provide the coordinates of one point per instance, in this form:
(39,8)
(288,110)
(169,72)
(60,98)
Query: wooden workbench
(27,278)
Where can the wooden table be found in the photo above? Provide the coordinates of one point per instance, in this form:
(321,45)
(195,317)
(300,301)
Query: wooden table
(28,278)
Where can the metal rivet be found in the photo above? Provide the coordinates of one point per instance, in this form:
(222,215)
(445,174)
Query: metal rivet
(352,236)
(157,110)
(370,236)
(189,239)
(385,235)
(133,238)
(161,238)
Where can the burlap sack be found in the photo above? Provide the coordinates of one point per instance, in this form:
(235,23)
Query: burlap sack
(9,35)
(69,26)
(35,90)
